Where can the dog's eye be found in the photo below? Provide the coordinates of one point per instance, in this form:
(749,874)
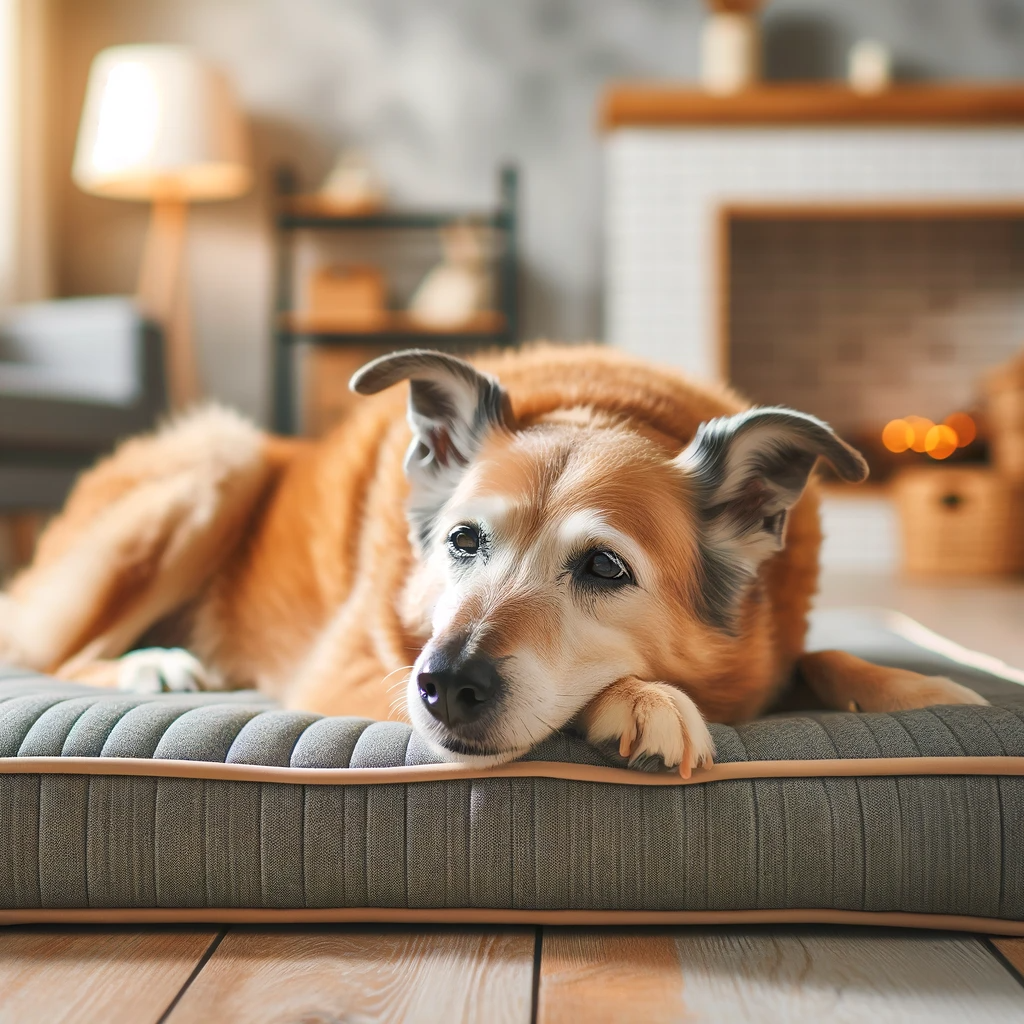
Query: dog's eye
(464,541)
(607,565)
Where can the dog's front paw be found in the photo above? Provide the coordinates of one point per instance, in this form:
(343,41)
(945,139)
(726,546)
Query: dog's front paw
(161,670)
(650,719)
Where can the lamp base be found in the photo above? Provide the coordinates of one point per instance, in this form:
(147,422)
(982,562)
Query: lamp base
(162,294)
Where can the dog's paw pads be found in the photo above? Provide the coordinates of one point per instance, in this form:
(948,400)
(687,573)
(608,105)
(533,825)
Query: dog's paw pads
(654,720)
(161,670)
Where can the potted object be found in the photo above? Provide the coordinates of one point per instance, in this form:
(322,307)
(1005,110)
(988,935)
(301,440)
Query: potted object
(730,46)
(353,186)
(459,288)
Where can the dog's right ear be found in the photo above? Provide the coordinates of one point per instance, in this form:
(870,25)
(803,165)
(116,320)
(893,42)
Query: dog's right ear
(452,405)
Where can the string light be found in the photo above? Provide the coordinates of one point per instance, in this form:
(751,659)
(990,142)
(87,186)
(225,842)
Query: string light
(897,436)
(920,434)
(920,425)
(941,441)
(964,427)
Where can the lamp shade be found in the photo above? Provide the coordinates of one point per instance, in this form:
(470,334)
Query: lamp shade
(158,123)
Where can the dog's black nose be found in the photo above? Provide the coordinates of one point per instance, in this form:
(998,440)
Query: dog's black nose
(459,695)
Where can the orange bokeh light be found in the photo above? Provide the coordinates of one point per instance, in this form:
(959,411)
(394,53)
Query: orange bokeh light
(941,441)
(919,425)
(964,427)
(897,436)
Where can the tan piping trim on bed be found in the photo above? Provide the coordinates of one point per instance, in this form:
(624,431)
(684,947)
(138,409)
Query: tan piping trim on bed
(474,915)
(840,767)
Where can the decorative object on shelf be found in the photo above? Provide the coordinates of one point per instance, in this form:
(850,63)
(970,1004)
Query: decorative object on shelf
(730,46)
(160,125)
(353,185)
(960,521)
(458,288)
(1004,390)
(324,386)
(347,298)
(869,67)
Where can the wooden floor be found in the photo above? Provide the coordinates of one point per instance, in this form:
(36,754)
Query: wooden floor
(509,976)
(551,975)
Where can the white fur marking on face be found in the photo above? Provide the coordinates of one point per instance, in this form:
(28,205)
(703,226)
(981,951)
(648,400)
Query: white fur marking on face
(590,527)
(489,509)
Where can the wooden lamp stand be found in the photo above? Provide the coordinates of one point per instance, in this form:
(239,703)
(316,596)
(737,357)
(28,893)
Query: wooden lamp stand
(163,295)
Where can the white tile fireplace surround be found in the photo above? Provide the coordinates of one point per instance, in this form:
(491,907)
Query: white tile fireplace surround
(676,158)
(884,259)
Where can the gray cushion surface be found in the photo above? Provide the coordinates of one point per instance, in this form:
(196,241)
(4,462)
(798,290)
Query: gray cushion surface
(938,843)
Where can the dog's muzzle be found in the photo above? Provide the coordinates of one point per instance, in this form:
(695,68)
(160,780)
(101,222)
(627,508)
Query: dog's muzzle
(461,692)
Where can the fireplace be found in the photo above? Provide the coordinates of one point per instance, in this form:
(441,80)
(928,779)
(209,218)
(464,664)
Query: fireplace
(863,315)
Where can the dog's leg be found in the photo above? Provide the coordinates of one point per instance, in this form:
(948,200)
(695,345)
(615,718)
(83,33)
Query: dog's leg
(847,683)
(650,718)
(139,537)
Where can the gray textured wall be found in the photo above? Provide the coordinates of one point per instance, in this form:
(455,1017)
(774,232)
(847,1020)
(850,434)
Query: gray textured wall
(438,92)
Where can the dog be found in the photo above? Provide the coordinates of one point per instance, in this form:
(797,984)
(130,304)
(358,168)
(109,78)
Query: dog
(569,537)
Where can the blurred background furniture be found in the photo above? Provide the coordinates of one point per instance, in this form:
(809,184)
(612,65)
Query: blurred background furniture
(160,125)
(340,342)
(76,375)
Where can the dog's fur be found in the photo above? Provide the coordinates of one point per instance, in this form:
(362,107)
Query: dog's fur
(323,574)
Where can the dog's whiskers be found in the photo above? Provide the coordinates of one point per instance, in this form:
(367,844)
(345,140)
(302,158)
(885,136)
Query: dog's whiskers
(400,682)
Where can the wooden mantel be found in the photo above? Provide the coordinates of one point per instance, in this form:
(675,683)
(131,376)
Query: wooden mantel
(665,106)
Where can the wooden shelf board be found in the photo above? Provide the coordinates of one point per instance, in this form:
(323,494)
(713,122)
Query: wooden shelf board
(310,210)
(393,324)
(662,105)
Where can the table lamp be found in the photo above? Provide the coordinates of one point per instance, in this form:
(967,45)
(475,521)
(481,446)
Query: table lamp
(160,125)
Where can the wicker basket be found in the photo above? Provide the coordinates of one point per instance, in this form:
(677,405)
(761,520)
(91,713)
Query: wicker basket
(1005,392)
(960,522)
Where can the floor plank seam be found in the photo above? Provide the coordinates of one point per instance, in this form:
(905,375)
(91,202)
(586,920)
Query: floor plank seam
(1004,961)
(538,946)
(203,961)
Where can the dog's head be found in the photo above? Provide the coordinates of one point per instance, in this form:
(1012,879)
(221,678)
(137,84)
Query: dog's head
(561,557)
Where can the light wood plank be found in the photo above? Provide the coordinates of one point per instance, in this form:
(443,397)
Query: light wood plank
(1013,950)
(787,976)
(845,976)
(327,974)
(91,974)
(604,976)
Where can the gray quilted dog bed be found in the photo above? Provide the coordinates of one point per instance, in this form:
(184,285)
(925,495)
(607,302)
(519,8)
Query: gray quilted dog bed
(218,807)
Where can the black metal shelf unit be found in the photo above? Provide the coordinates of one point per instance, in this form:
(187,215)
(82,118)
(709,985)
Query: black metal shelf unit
(294,216)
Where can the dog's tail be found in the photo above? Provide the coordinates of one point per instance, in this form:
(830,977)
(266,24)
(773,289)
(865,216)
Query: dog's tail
(140,534)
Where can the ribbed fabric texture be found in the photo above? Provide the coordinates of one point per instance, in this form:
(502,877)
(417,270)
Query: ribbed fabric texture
(932,844)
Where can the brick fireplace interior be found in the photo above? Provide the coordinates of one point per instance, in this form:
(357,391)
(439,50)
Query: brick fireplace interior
(862,316)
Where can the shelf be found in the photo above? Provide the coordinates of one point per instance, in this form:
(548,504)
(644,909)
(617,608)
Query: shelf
(666,106)
(396,326)
(312,211)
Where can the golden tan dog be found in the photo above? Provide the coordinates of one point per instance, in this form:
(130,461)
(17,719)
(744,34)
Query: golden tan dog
(576,536)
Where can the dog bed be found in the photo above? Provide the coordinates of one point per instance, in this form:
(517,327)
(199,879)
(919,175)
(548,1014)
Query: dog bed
(219,807)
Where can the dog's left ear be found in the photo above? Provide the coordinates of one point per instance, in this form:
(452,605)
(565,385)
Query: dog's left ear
(451,407)
(748,471)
